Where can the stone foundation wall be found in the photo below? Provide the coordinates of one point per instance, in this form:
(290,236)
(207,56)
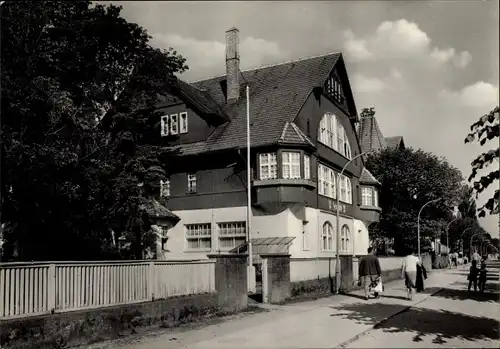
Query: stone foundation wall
(88,326)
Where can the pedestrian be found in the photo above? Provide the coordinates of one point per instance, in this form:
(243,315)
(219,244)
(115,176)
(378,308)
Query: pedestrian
(454,258)
(475,258)
(473,271)
(369,271)
(409,272)
(482,277)
(421,276)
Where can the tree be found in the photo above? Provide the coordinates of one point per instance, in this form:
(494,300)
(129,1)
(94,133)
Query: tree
(484,130)
(409,179)
(69,179)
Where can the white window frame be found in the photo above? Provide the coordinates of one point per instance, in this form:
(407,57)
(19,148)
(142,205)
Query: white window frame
(367,196)
(340,137)
(327,237)
(333,135)
(198,232)
(290,160)
(191,183)
(345,238)
(183,121)
(327,180)
(347,146)
(328,131)
(375,197)
(165,188)
(165,127)
(231,231)
(268,161)
(307,167)
(174,124)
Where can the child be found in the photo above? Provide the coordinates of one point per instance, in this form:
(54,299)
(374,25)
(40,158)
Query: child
(472,277)
(482,277)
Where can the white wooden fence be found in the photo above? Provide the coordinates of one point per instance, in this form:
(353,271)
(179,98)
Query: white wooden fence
(303,269)
(28,289)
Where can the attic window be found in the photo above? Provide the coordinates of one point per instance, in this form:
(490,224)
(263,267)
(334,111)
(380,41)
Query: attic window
(334,89)
(164,126)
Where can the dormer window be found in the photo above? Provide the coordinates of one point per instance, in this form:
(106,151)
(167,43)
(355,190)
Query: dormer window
(174,124)
(165,188)
(184,122)
(165,126)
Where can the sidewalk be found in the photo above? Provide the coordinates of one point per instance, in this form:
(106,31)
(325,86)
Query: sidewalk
(323,323)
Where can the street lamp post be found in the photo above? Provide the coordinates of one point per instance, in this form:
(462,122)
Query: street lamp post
(418,222)
(485,250)
(447,235)
(462,238)
(337,209)
(472,238)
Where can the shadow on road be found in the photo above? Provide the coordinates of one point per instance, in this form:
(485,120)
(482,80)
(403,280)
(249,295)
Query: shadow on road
(443,324)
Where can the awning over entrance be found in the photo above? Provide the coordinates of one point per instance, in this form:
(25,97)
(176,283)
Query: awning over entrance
(272,245)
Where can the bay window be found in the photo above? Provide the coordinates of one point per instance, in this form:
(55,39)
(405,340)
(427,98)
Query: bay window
(369,196)
(268,166)
(307,167)
(290,162)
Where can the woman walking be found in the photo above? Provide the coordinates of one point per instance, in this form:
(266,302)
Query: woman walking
(409,273)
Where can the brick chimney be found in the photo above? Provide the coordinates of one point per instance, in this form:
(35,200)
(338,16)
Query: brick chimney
(232,65)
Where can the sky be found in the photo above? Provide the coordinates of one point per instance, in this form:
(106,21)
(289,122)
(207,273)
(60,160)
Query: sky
(429,68)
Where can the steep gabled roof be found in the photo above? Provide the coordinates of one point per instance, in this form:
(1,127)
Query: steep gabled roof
(293,135)
(394,142)
(367,177)
(369,133)
(277,93)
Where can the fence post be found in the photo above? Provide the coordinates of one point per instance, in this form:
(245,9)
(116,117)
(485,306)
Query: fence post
(51,289)
(151,291)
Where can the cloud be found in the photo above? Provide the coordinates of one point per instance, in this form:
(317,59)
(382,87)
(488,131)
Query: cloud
(366,84)
(207,58)
(400,40)
(480,95)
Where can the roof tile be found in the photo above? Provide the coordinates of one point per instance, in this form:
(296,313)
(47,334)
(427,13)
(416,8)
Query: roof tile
(276,95)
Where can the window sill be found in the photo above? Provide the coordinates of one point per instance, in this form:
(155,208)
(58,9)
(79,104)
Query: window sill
(371,208)
(282,181)
(198,250)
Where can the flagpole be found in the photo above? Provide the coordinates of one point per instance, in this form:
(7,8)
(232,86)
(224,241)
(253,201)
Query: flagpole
(249,185)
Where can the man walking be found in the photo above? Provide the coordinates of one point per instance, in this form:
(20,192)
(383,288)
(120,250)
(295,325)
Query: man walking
(369,271)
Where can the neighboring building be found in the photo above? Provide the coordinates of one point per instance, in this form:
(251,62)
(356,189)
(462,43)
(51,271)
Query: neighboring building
(370,135)
(303,120)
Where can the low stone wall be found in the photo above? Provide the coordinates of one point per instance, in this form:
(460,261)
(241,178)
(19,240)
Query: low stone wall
(88,326)
(63,330)
(314,288)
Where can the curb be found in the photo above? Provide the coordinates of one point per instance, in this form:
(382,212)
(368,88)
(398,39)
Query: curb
(381,322)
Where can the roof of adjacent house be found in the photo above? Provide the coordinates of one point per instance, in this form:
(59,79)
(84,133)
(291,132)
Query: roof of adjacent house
(367,177)
(277,93)
(393,142)
(155,209)
(370,135)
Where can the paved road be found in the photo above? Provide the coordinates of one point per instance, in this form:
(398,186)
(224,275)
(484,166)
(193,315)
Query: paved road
(330,322)
(451,318)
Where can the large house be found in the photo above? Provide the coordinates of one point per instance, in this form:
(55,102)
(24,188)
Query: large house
(303,131)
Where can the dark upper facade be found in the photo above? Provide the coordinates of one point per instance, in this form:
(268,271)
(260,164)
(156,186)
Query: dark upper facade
(302,125)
